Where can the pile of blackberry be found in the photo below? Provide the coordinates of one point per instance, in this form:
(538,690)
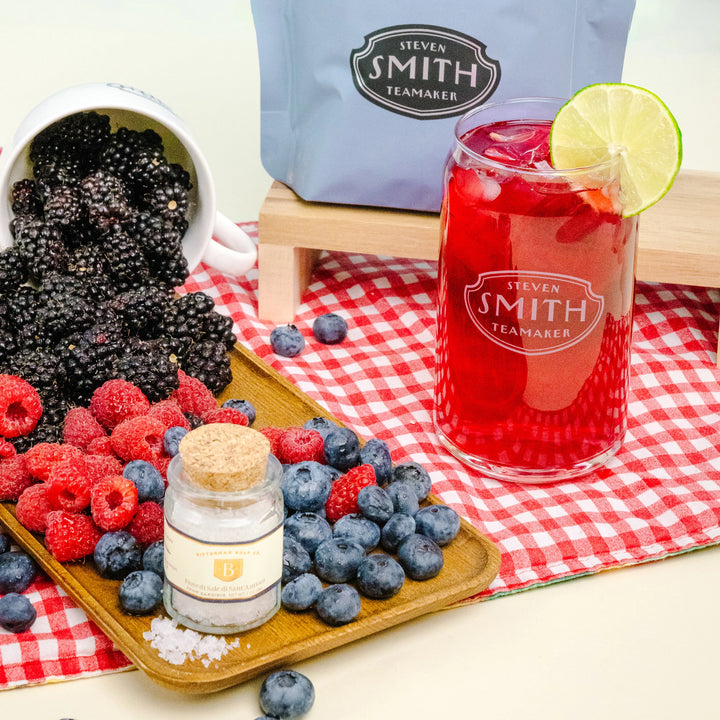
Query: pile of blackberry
(87,292)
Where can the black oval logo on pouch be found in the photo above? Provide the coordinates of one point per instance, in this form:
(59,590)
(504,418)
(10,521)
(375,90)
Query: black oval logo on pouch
(424,71)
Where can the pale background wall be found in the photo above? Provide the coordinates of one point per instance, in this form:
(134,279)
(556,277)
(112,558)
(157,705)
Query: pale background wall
(199,57)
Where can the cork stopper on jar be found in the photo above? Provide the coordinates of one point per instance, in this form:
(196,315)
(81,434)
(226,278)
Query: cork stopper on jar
(224,457)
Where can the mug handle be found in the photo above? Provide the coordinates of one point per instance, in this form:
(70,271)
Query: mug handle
(230,250)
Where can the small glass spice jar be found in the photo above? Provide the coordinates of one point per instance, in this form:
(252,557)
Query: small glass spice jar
(224,520)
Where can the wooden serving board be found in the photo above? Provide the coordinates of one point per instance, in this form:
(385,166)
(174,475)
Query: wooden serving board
(471,563)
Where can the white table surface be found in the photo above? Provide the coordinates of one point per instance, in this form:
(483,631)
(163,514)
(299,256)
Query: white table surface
(638,642)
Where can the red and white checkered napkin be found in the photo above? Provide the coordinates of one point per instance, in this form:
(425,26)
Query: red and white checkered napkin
(660,495)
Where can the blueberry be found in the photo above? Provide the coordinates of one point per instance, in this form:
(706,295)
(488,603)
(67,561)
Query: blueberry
(306,485)
(338,604)
(141,592)
(244,406)
(421,557)
(153,558)
(117,554)
(296,559)
(309,529)
(375,504)
(147,479)
(16,613)
(321,424)
(380,576)
(329,329)
(171,439)
(301,592)
(287,340)
(5,544)
(403,496)
(438,522)
(416,474)
(358,529)
(342,448)
(286,694)
(336,561)
(395,530)
(376,452)
(17,571)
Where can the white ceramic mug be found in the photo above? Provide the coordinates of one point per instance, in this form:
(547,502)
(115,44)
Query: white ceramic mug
(211,237)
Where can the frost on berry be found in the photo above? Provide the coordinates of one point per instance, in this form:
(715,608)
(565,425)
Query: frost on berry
(70,536)
(193,397)
(297,444)
(20,407)
(14,477)
(113,503)
(33,507)
(345,490)
(80,428)
(117,400)
(139,438)
(225,415)
(69,485)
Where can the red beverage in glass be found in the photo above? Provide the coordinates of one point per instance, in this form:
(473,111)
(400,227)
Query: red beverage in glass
(536,282)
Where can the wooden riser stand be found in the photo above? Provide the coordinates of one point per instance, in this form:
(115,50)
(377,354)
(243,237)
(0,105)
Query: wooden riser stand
(679,239)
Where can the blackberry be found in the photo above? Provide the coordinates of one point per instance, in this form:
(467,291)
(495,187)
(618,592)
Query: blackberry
(58,171)
(106,199)
(19,222)
(130,153)
(219,328)
(22,306)
(88,264)
(83,135)
(125,261)
(41,246)
(169,201)
(8,347)
(208,362)
(63,314)
(43,369)
(170,267)
(187,315)
(25,200)
(151,371)
(89,364)
(13,270)
(142,309)
(63,206)
(43,433)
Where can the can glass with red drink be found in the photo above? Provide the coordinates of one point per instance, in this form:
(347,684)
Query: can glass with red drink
(535,301)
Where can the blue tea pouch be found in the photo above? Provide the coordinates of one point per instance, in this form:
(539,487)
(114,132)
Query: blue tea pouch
(359,99)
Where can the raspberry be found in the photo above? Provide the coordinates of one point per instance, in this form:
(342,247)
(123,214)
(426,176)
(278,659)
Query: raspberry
(101,446)
(70,536)
(161,465)
(80,428)
(117,400)
(69,485)
(7,449)
(139,438)
(273,434)
(42,457)
(14,477)
(101,466)
(344,492)
(113,503)
(169,412)
(296,445)
(33,507)
(193,396)
(20,407)
(147,526)
(225,415)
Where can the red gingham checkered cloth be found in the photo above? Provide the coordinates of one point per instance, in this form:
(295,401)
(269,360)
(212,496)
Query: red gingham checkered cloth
(659,496)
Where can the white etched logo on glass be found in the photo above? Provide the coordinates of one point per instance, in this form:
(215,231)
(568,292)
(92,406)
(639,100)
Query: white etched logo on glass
(533,313)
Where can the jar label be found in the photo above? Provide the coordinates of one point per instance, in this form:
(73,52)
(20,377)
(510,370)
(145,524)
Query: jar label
(223,572)
(533,313)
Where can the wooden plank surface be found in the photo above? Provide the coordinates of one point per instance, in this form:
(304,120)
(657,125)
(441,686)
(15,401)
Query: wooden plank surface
(471,563)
